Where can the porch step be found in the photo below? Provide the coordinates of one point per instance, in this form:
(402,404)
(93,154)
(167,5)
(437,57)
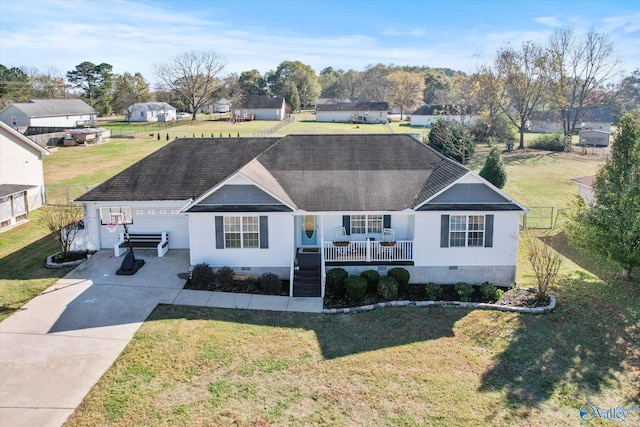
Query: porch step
(311,289)
(306,280)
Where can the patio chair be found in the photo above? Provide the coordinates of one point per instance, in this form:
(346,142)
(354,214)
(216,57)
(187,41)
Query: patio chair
(341,234)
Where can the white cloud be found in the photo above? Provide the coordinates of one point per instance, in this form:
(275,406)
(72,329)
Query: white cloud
(550,21)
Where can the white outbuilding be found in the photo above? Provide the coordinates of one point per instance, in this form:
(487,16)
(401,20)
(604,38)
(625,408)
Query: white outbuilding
(151,112)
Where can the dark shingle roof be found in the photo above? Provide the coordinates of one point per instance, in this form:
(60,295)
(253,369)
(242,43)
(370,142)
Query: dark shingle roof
(358,172)
(54,107)
(354,106)
(588,114)
(181,170)
(436,109)
(317,172)
(261,101)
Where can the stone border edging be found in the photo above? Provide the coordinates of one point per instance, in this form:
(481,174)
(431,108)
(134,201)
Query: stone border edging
(480,305)
(53,265)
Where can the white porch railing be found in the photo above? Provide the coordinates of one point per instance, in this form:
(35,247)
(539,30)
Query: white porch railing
(369,251)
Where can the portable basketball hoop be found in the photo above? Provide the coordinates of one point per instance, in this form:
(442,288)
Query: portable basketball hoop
(112,217)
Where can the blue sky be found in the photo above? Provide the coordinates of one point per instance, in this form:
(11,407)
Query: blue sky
(134,35)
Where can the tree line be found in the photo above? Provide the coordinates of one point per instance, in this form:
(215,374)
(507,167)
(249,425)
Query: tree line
(567,74)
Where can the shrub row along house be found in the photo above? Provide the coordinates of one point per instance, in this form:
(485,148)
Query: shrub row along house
(355,201)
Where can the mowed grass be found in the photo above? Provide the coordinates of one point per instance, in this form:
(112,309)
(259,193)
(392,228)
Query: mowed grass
(23,251)
(393,367)
(400,366)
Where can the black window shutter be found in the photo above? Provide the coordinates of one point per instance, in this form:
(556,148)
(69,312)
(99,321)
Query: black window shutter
(219,233)
(444,231)
(346,223)
(264,232)
(386,221)
(488,231)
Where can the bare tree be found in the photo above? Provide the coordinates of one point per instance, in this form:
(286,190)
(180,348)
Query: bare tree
(523,76)
(488,88)
(373,83)
(194,76)
(577,69)
(405,89)
(461,99)
(545,262)
(62,222)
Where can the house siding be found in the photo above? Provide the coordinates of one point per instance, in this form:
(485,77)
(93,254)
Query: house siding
(239,195)
(154,217)
(473,265)
(428,120)
(347,116)
(22,164)
(277,257)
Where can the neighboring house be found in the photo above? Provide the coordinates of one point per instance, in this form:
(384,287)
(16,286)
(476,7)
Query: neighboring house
(150,112)
(593,118)
(427,115)
(585,187)
(220,105)
(353,112)
(258,204)
(260,107)
(49,113)
(21,176)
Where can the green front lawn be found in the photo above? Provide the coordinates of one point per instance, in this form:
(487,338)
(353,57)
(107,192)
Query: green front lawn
(395,367)
(23,251)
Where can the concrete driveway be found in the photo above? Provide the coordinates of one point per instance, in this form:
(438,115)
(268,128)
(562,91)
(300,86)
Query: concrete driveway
(54,349)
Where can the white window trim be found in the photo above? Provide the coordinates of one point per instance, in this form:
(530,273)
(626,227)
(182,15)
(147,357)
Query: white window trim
(241,232)
(367,220)
(467,231)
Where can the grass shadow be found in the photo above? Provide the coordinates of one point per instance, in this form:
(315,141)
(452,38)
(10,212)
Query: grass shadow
(580,349)
(337,335)
(28,262)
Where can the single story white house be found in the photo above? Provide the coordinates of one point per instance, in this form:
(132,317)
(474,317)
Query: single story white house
(220,105)
(591,118)
(150,112)
(355,201)
(49,113)
(353,112)
(21,177)
(585,187)
(260,107)
(427,115)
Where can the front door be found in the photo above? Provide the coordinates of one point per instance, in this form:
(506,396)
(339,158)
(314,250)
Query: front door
(309,231)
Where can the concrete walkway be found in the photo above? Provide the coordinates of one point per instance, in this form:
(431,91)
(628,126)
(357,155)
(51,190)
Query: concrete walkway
(57,346)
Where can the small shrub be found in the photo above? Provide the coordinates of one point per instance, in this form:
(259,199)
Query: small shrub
(335,281)
(402,276)
(387,288)
(372,277)
(499,293)
(464,291)
(553,142)
(489,292)
(271,283)
(224,276)
(356,287)
(202,276)
(433,291)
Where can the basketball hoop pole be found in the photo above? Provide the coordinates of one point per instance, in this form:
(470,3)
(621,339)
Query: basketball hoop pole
(126,233)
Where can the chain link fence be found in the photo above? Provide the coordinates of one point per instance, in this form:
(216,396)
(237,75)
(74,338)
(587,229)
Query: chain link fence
(543,217)
(62,194)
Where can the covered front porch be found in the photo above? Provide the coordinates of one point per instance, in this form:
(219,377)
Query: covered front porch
(358,238)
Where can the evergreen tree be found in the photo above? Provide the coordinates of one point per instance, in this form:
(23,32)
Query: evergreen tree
(493,169)
(438,134)
(611,225)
